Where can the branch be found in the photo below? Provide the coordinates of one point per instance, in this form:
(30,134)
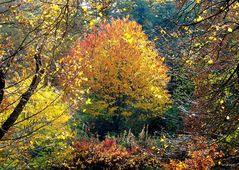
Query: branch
(7,2)
(24,98)
(2,85)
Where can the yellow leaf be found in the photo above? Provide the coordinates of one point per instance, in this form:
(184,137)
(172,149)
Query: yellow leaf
(55,7)
(210,61)
(127,36)
(185,28)
(229,30)
(197,1)
(99,7)
(92,23)
(199,19)
(88,101)
(221,101)
(212,38)
(189,62)
(197,44)
(85,9)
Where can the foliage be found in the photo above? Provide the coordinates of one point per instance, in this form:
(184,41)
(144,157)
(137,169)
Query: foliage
(101,126)
(109,155)
(41,131)
(118,80)
(173,121)
(200,156)
(114,82)
(113,153)
(117,72)
(160,21)
(212,63)
(155,17)
(33,35)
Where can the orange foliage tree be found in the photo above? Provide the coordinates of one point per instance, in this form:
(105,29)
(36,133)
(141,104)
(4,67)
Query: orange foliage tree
(116,71)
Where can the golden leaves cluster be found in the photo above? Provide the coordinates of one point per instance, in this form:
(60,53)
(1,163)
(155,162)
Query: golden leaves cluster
(114,61)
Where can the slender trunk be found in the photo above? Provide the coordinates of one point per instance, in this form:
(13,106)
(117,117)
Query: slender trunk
(24,98)
(2,85)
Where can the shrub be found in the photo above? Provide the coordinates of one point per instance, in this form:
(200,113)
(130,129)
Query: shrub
(109,155)
(200,157)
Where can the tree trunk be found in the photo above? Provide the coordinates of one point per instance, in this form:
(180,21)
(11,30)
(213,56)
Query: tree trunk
(24,98)
(2,85)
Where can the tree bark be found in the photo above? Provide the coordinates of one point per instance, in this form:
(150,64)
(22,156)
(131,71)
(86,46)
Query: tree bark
(24,98)
(2,85)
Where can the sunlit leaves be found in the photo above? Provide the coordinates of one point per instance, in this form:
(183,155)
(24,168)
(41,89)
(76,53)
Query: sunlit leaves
(42,122)
(197,1)
(199,19)
(117,63)
(211,61)
(110,155)
(229,30)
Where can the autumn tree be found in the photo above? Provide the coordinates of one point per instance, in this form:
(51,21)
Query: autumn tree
(160,21)
(33,117)
(211,62)
(118,73)
(33,34)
